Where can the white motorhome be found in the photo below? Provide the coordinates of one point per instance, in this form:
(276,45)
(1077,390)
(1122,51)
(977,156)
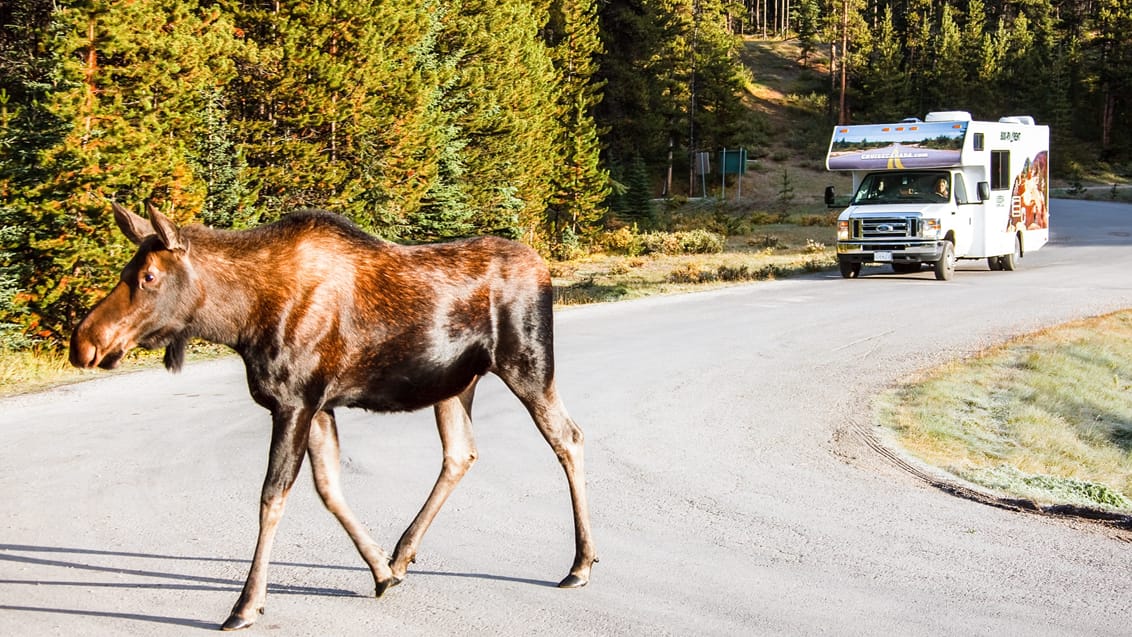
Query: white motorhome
(945,188)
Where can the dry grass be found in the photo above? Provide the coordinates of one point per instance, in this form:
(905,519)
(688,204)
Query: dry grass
(29,371)
(1046,417)
(24,372)
(770,251)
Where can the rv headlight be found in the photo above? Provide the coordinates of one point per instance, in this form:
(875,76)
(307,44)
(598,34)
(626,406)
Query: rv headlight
(931,229)
(843,230)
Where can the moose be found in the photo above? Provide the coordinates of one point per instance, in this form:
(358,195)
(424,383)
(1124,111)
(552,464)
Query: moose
(325,315)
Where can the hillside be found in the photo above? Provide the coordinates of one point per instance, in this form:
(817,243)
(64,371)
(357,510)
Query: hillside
(788,95)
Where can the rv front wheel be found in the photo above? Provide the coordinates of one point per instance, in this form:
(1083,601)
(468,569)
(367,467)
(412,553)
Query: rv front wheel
(945,267)
(849,270)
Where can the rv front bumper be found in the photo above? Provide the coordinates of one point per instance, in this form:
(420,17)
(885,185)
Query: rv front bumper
(865,252)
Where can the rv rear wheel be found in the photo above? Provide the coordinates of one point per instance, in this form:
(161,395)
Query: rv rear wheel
(945,267)
(1010,261)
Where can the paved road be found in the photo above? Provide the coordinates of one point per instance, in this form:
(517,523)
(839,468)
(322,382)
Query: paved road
(732,489)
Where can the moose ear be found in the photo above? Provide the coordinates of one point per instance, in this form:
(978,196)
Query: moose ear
(132,225)
(166,230)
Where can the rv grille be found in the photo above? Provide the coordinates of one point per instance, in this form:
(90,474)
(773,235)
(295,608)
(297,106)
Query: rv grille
(886,227)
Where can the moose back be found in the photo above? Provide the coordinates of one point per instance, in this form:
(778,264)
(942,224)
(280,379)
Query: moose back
(327,316)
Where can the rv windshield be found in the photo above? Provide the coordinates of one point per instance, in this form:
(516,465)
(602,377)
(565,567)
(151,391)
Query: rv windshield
(904,187)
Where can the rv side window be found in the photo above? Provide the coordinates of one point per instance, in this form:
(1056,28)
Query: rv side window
(1000,169)
(978,141)
(960,189)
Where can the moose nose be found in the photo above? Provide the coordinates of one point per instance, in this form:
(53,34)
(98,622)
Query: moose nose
(84,351)
(83,354)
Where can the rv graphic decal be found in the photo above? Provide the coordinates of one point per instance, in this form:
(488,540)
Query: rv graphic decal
(1029,201)
(895,146)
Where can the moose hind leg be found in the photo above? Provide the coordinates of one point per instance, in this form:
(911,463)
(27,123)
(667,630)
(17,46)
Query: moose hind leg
(567,441)
(454,422)
(326,469)
(289,437)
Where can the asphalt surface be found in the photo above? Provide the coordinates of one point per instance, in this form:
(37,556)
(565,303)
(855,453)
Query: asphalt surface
(734,490)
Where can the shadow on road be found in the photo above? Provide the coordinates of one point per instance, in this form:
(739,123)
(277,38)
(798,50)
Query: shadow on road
(78,560)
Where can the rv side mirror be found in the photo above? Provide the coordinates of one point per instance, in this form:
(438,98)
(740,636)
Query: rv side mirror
(983,188)
(829,195)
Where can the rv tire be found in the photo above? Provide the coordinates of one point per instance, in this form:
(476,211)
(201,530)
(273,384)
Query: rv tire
(945,267)
(849,269)
(1010,261)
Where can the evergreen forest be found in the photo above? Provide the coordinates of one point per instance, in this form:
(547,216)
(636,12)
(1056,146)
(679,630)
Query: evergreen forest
(547,121)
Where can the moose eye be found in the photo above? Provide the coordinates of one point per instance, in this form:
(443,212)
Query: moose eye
(148,277)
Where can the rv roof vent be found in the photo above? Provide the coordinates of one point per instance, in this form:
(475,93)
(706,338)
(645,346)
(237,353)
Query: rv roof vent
(1025,120)
(910,120)
(948,116)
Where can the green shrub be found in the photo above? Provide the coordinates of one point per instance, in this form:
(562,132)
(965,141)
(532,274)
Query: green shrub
(767,218)
(633,243)
(684,242)
(733,273)
(766,242)
(700,242)
(828,219)
(624,240)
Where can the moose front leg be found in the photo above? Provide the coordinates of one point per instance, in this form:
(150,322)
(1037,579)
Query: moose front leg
(326,467)
(289,435)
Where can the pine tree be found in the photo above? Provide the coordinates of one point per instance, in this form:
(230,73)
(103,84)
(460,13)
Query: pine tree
(947,78)
(502,100)
(221,167)
(332,108)
(916,33)
(27,128)
(719,114)
(807,24)
(847,27)
(1061,105)
(1111,72)
(886,84)
(677,79)
(630,198)
(640,65)
(580,184)
(446,209)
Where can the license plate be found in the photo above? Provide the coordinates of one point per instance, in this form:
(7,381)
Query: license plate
(882,256)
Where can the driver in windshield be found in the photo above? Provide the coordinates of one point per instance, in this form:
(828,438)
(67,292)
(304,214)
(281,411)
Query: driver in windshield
(941,188)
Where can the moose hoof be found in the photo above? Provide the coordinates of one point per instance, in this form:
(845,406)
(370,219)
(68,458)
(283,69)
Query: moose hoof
(386,585)
(235,622)
(573,581)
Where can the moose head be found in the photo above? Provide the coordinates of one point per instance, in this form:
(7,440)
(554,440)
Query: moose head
(153,303)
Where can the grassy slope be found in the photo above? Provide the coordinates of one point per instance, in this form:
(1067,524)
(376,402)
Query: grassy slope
(782,90)
(1046,417)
